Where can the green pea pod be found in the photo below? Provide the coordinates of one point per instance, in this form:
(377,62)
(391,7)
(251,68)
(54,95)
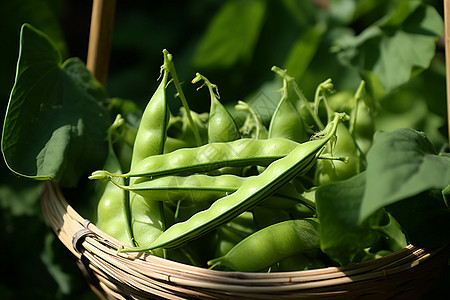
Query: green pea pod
(252,127)
(300,262)
(268,216)
(299,161)
(148,215)
(286,122)
(364,127)
(203,188)
(331,170)
(239,153)
(221,125)
(271,244)
(181,133)
(231,233)
(113,207)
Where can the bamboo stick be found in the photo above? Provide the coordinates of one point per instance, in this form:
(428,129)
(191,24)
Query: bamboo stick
(447,58)
(100,36)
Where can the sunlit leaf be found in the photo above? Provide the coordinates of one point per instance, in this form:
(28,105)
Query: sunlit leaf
(55,122)
(397,47)
(232,34)
(401,164)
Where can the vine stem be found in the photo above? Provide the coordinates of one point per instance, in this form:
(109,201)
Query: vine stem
(100,36)
(447,58)
(171,67)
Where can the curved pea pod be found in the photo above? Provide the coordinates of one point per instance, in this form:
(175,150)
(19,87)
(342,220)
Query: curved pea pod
(152,131)
(197,188)
(147,215)
(112,207)
(270,245)
(221,125)
(238,153)
(286,122)
(299,161)
(331,170)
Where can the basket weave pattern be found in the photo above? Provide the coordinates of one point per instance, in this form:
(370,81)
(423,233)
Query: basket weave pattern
(407,273)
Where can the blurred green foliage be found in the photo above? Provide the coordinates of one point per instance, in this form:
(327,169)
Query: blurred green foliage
(232,42)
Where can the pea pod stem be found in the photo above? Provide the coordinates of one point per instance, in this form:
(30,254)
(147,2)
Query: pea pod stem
(283,74)
(299,161)
(168,62)
(253,121)
(322,89)
(353,116)
(213,90)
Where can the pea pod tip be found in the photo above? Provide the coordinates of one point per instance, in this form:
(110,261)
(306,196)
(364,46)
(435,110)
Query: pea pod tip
(101,175)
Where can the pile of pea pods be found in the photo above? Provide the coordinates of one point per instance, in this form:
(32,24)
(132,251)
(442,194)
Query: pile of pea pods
(205,191)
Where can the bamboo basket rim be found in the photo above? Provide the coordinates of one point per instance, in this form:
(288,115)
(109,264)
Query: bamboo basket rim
(113,275)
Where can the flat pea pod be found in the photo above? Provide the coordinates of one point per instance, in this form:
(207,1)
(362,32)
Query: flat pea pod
(112,207)
(147,215)
(213,156)
(286,122)
(221,125)
(299,161)
(270,245)
(203,188)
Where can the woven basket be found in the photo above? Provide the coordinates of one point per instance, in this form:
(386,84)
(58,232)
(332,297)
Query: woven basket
(407,273)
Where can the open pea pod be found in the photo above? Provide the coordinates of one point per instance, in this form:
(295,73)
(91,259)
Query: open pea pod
(297,162)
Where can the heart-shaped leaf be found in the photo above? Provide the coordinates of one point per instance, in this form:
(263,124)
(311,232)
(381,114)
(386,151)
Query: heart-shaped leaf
(401,164)
(396,48)
(55,124)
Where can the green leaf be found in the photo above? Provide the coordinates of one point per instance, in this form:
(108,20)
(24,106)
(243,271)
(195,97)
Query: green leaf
(342,237)
(55,124)
(232,35)
(397,47)
(402,164)
(303,50)
(425,219)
